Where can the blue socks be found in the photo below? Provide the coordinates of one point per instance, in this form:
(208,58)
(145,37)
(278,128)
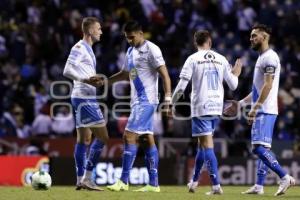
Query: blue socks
(151,158)
(212,165)
(199,160)
(94,155)
(80,156)
(269,159)
(262,171)
(127,162)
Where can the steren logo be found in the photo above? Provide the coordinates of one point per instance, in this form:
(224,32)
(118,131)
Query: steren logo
(107,173)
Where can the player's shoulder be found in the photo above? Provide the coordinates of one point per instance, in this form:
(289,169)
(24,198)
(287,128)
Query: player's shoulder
(270,53)
(217,55)
(194,57)
(151,46)
(77,47)
(269,56)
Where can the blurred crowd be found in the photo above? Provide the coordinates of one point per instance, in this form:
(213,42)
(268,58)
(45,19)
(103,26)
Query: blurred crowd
(36,37)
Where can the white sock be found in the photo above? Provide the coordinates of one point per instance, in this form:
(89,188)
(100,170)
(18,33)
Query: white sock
(285,177)
(216,187)
(79,178)
(87,175)
(260,187)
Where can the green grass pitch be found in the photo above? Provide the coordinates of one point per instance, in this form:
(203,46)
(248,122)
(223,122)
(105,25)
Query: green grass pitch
(167,192)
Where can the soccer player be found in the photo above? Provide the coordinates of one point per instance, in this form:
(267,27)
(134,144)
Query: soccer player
(207,69)
(81,68)
(264,110)
(143,63)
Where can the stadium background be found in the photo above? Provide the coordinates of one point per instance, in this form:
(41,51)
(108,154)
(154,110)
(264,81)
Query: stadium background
(35,40)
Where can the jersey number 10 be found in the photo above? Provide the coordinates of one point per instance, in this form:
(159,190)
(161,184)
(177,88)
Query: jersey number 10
(212,80)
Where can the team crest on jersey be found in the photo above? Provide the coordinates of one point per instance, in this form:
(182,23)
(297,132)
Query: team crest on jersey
(209,56)
(133,73)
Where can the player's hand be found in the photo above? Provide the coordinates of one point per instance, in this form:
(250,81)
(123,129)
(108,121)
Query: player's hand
(167,109)
(237,69)
(251,116)
(97,80)
(230,108)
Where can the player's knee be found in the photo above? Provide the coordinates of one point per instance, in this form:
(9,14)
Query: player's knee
(105,139)
(87,142)
(206,142)
(84,140)
(129,139)
(257,149)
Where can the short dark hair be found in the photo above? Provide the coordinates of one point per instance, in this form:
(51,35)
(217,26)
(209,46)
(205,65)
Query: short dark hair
(87,22)
(132,26)
(200,37)
(263,27)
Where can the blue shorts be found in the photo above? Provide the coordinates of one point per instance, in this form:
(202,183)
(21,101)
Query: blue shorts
(141,119)
(87,112)
(262,129)
(204,125)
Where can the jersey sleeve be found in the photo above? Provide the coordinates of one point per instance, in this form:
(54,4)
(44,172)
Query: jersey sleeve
(270,65)
(187,69)
(156,57)
(231,80)
(75,56)
(73,64)
(125,64)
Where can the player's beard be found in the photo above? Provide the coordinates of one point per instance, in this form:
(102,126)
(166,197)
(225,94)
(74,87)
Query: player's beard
(256,47)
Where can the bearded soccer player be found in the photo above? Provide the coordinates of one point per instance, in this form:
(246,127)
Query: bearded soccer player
(264,110)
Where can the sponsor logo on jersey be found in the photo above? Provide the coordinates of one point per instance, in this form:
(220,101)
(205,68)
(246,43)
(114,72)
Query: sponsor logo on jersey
(133,73)
(209,56)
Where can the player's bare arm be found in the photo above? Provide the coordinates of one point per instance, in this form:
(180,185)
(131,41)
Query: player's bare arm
(163,73)
(179,90)
(268,81)
(120,76)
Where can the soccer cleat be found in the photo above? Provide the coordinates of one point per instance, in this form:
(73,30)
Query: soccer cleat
(216,190)
(148,188)
(285,182)
(255,189)
(90,185)
(192,185)
(118,186)
(78,186)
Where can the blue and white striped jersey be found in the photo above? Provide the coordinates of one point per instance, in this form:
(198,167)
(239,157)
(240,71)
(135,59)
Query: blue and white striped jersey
(142,63)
